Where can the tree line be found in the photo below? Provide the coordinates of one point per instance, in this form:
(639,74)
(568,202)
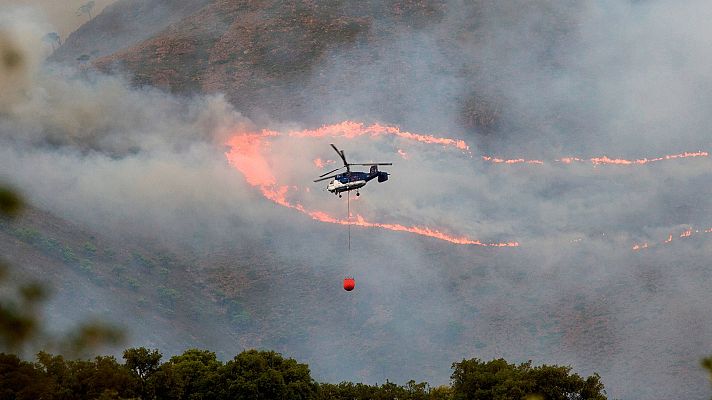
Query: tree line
(255,375)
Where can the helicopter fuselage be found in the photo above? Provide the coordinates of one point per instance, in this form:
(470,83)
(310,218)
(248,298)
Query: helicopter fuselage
(351,180)
(354,180)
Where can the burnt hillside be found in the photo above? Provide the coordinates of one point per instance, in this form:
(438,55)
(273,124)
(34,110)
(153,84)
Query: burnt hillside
(122,25)
(262,53)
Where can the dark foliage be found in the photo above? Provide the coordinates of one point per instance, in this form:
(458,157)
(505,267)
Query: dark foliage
(498,379)
(253,374)
(10,202)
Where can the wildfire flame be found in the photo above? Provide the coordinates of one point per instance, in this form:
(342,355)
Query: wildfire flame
(618,161)
(319,163)
(603,160)
(684,234)
(351,129)
(246,155)
(641,246)
(495,160)
(569,160)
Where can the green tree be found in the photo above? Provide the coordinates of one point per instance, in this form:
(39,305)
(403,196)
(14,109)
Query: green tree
(498,379)
(417,391)
(387,391)
(347,391)
(557,382)
(443,392)
(143,363)
(191,375)
(257,375)
(85,379)
(53,39)
(86,8)
(22,380)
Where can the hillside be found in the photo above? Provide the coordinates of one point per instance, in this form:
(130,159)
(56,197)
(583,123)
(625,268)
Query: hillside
(268,277)
(91,275)
(261,53)
(249,296)
(121,25)
(311,61)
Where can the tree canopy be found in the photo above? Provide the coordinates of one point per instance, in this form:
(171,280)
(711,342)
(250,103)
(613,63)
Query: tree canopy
(86,8)
(497,379)
(258,374)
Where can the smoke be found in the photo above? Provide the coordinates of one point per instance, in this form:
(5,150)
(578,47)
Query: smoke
(546,81)
(61,15)
(75,138)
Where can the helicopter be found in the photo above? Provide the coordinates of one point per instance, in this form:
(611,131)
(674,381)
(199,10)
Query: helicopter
(352,180)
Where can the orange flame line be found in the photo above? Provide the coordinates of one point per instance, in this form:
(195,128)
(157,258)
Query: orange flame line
(684,234)
(641,246)
(351,129)
(246,156)
(618,161)
(512,161)
(424,231)
(279,197)
(603,160)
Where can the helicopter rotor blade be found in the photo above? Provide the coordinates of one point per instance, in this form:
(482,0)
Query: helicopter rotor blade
(326,177)
(373,163)
(341,154)
(333,170)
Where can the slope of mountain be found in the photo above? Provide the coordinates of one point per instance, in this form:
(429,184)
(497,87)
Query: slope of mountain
(405,320)
(260,53)
(139,286)
(270,58)
(121,25)
(293,59)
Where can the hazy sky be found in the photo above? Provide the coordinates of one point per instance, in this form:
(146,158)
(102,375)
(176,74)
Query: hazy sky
(62,14)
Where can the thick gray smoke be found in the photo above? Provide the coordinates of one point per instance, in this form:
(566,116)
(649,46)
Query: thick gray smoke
(623,80)
(72,137)
(626,80)
(61,15)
